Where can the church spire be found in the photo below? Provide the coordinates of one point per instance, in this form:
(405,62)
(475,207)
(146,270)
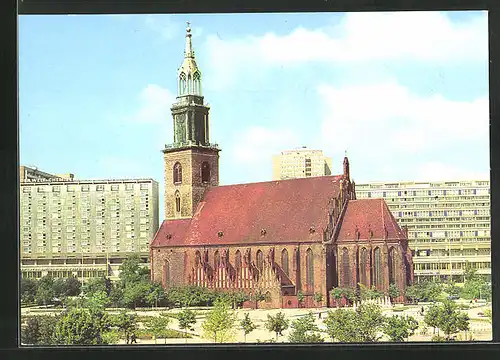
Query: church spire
(189,74)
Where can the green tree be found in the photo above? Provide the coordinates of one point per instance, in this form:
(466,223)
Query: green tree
(258,296)
(365,293)
(126,323)
(156,294)
(488,314)
(399,328)
(116,295)
(28,290)
(100,284)
(277,324)
(219,322)
(451,320)
(158,326)
(78,327)
(394,291)
(431,317)
(247,325)
(305,330)
(412,293)
(341,325)
(45,292)
(71,286)
(131,271)
(452,289)
(187,319)
(47,324)
(346,293)
(58,287)
(98,301)
(135,294)
(369,320)
(30,333)
(318,297)
(300,297)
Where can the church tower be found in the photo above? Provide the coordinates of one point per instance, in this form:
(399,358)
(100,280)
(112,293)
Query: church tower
(191,161)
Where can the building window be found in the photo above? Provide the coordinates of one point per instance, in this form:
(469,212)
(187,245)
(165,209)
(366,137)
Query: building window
(284,261)
(392,265)
(369,194)
(377,269)
(363,260)
(310,269)
(346,271)
(384,194)
(85,188)
(114,187)
(445,213)
(205,172)
(177,201)
(260,260)
(216,259)
(237,260)
(177,173)
(167,273)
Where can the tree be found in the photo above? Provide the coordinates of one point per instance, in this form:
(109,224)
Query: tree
(488,314)
(156,294)
(369,321)
(158,326)
(58,287)
(131,271)
(28,290)
(365,293)
(78,327)
(451,320)
(305,330)
(412,293)
(116,295)
(258,296)
(399,328)
(318,297)
(127,323)
(431,317)
(277,324)
(45,292)
(187,319)
(219,322)
(341,325)
(247,325)
(135,294)
(394,291)
(30,334)
(100,284)
(346,293)
(71,286)
(97,301)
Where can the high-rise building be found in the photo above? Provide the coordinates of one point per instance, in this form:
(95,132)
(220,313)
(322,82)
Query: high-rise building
(448,224)
(83,227)
(300,163)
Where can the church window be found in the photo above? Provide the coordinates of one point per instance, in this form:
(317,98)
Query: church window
(197,259)
(392,265)
(346,270)
(205,172)
(177,201)
(177,173)
(260,260)
(284,261)
(216,259)
(182,84)
(309,269)
(377,269)
(237,260)
(167,273)
(363,264)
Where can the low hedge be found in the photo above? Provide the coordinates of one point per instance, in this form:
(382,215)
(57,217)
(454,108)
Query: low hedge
(144,334)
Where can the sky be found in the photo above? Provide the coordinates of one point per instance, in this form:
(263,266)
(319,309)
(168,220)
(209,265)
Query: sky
(404,93)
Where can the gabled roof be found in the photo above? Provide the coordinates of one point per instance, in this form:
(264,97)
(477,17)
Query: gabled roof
(285,211)
(369,215)
(170,231)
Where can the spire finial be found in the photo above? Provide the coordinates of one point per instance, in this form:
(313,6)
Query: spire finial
(346,153)
(188,53)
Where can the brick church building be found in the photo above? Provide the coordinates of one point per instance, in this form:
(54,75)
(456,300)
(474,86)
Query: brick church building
(280,237)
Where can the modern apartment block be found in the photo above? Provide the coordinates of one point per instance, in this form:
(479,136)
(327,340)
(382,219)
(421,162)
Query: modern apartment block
(448,224)
(300,163)
(83,227)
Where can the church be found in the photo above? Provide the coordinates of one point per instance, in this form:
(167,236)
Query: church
(291,240)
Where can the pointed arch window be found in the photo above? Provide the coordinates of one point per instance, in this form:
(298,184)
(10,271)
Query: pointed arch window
(346,269)
(363,263)
(197,83)
(260,260)
(197,259)
(309,269)
(177,173)
(284,261)
(167,273)
(178,201)
(182,84)
(377,269)
(237,260)
(392,265)
(205,172)
(216,259)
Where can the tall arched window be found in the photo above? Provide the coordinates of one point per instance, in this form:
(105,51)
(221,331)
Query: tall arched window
(237,260)
(260,260)
(392,265)
(309,269)
(182,84)
(197,83)
(377,269)
(197,259)
(216,259)
(284,261)
(363,262)
(178,201)
(189,84)
(346,269)
(167,273)
(177,173)
(205,172)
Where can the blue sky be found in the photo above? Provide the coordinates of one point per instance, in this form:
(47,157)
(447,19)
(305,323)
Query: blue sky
(406,94)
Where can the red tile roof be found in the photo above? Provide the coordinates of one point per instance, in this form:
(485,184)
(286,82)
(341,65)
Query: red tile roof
(369,215)
(285,209)
(171,231)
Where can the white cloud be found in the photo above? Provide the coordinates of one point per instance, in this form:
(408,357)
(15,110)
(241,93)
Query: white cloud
(155,103)
(359,37)
(380,119)
(164,25)
(259,143)
(438,171)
